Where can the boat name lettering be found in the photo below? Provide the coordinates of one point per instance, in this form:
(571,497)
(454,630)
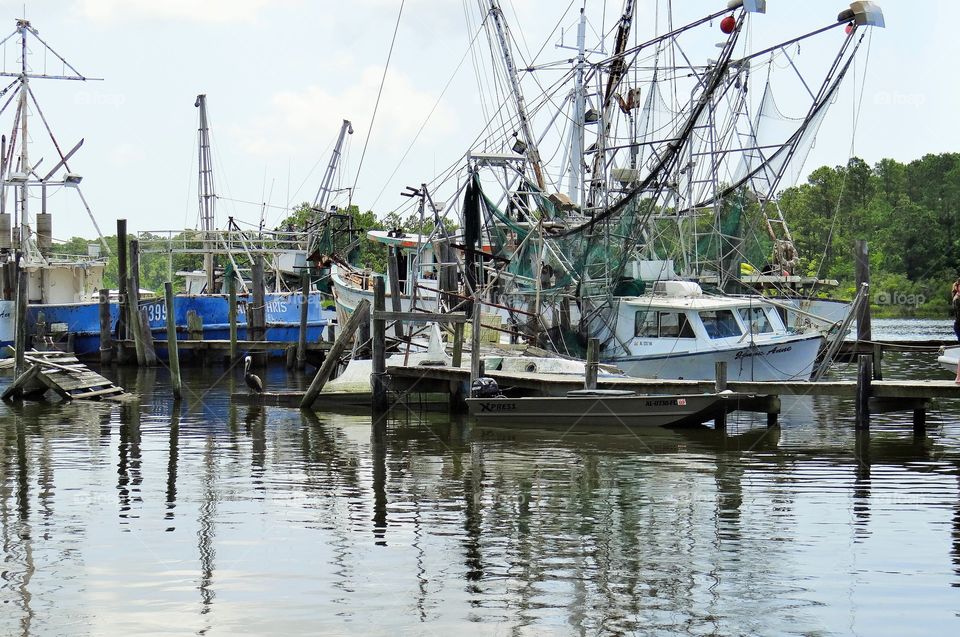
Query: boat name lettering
(773,350)
(488,407)
(277,307)
(5,314)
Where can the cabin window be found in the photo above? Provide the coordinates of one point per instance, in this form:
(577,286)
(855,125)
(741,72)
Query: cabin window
(675,325)
(663,325)
(645,324)
(756,320)
(720,323)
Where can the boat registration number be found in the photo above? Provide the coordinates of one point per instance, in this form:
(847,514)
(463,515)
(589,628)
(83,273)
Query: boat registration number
(156,312)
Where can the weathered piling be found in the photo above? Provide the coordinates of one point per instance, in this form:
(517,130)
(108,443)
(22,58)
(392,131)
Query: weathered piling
(592,366)
(393,271)
(720,384)
(133,302)
(360,315)
(864,380)
(457,344)
(864,327)
(146,335)
(173,356)
(475,366)
(20,324)
(257,309)
(122,288)
(231,282)
(304,307)
(379,399)
(106,342)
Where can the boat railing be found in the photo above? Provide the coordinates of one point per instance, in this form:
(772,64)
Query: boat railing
(220,241)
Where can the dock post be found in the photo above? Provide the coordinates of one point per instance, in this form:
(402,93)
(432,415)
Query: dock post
(457,344)
(864,378)
(720,385)
(720,373)
(864,328)
(475,367)
(122,290)
(106,341)
(393,272)
(20,325)
(379,397)
(231,277)
(360,315)
(593,364)
(257,310)
(173,356)
(304,307)
(133,302)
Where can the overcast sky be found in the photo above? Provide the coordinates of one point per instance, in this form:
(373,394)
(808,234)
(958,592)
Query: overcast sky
(280,76)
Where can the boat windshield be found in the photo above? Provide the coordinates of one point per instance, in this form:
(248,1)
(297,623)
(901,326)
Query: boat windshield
(720,323)
(756,320)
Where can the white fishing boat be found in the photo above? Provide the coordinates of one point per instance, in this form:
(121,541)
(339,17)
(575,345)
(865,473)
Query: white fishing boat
(949,359)
(678,332)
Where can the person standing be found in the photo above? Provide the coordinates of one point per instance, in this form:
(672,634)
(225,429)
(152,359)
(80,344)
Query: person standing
(955,305)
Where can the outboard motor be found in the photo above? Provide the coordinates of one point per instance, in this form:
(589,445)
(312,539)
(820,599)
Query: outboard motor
(484,387)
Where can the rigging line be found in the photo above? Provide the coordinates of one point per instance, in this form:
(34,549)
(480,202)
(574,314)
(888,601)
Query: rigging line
(376,104)
(429,115)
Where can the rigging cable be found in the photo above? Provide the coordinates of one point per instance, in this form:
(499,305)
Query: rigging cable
(376,105)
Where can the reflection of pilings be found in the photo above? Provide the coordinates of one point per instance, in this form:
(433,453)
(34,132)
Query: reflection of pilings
(205,532)
(256,427)
(128,466)
(861,483)
(473,521)
(20,533)
(378,455)
(955,551)
(173,455)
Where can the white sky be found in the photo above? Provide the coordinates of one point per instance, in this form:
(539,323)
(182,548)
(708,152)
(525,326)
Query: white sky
(280,76)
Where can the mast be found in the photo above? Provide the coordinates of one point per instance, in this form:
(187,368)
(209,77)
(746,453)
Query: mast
(206,193)
(575,169)
(22,26)
(503,35)
(321,201)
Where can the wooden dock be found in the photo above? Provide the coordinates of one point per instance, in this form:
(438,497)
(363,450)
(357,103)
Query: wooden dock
(62,373)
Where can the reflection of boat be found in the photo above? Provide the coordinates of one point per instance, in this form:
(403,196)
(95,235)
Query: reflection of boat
(608,407)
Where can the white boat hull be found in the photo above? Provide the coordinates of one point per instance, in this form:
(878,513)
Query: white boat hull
(949,358)
(783,359)
(6,324)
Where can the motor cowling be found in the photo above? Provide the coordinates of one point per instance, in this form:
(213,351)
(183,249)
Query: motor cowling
(484,387)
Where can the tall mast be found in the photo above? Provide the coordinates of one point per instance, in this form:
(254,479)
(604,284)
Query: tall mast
(22,26)
(321,201)
(206,193)
(575,169)
(503,33)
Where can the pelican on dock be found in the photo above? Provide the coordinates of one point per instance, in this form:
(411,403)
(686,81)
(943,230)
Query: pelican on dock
(253,381)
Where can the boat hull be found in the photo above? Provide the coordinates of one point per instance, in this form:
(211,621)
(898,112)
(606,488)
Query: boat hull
(6,324)
(782,359)
(282,318)
(628,411)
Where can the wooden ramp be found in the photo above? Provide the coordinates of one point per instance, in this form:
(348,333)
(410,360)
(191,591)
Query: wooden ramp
(64,374)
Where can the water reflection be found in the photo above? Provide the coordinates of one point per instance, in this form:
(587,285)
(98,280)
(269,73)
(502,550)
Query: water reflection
(238,517)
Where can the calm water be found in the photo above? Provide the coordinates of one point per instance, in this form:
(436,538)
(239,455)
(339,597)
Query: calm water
(221,519)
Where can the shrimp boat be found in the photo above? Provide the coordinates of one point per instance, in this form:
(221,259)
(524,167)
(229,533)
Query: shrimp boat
(59,287)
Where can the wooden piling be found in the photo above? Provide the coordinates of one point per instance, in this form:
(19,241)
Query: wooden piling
(379,399)
(862,273)
(304,307)
(919,420)
(20,324)
(360,315)
(122,288)
(475,369)
(457,344)
(173,356)
(393,272)
(257,309)
(106,340)
(720,376)
(593,364)
(864,379)
(133,303)
(231,277)
(146,336)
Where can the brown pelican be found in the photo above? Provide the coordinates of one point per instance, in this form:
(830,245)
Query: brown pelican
(253,381)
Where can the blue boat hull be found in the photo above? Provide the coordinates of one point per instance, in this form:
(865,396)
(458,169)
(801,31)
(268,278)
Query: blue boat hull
(82,320)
